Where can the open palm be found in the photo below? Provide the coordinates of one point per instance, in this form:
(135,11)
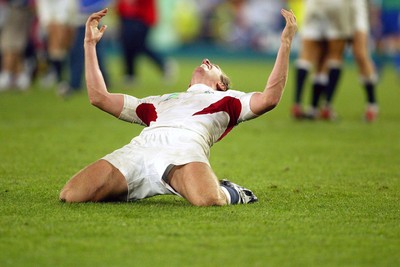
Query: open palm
(291,25)
(93,33)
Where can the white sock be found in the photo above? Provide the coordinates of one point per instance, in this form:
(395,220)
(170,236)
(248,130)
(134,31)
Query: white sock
(227,194)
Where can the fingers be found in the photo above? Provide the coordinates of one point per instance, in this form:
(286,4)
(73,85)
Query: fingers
(291,25)
(288,15)
(93,34)
(98,15)
(101,13)
(103,28)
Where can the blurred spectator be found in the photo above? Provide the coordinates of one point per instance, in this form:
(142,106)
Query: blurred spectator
(386,31)
(297,7)
(235,24)
(137,17)
(244,24)
(206,10)
(13,42)
(3,13)
(76,53)
(57,20)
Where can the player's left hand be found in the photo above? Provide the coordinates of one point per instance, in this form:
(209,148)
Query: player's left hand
(291,26)
(93,34)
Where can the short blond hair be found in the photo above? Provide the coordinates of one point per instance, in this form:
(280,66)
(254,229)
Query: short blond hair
(225,80)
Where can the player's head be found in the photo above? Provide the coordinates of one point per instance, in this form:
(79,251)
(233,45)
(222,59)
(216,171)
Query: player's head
(211,75)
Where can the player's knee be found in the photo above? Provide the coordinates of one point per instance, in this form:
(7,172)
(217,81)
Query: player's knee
(66,195)
(70,195)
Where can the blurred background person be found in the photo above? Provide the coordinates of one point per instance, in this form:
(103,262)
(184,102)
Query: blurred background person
(206,13)
(3,13)
(17,20)
(362,56)
(137,17)
(57,18)
(386,31)
(359,20)
(325,22)
(328,70)
(76,53)
(247,24)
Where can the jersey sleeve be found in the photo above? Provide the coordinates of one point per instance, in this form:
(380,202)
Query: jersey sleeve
(245,113)
(134,112)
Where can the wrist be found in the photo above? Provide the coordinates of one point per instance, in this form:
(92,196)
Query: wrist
(286,44)
(89,43)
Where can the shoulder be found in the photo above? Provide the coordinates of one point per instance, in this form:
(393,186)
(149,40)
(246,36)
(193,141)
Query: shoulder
(235,92)
(239,94)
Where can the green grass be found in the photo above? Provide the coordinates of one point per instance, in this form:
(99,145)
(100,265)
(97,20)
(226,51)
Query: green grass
(329,192)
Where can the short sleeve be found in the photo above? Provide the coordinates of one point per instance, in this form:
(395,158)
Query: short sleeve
(140,111)
(245,113)
(129,110)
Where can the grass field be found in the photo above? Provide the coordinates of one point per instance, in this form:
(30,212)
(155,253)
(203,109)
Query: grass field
(329,192)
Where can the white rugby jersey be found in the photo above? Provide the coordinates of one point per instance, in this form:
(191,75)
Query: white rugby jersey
(209,113)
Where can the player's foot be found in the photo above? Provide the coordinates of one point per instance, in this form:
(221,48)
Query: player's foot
(311,114)
(297,112)
(23,81)
(5,81)
(371,113)
(327,113)
(64,90)
(245,195)
(48,80)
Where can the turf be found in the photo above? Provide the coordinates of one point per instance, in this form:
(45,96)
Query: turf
(329,192)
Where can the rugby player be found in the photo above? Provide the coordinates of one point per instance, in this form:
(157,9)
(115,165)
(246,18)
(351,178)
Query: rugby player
(170,156)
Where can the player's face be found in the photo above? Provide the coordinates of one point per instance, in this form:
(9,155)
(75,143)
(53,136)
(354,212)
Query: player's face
(207,73)
(213,69)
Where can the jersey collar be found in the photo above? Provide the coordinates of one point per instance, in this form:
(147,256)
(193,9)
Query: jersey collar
(200,88)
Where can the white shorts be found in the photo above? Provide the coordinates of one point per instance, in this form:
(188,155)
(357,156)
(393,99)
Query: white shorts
(147,159)
(360,15)
(327,20)
(59,11)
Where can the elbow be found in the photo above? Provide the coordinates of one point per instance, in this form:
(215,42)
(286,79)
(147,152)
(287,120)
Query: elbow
(97,93)
(272,98)
(276,102)
(271,106)
(96,100)
(264,103)
(271,103)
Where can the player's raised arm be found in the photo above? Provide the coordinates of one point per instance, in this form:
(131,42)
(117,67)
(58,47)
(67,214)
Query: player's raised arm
(96,87)
(270,97)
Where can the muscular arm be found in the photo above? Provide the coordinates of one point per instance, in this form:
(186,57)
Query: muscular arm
(96,87)
(268,99)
